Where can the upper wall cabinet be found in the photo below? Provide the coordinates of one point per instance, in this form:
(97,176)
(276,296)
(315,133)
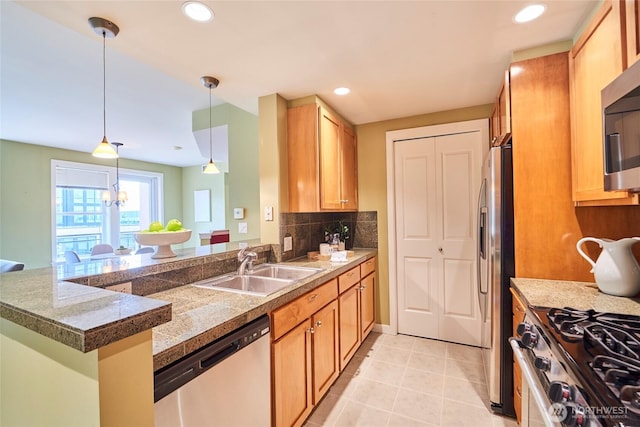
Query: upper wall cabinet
(633,30)
(595,60)
(501,116)
(322,161)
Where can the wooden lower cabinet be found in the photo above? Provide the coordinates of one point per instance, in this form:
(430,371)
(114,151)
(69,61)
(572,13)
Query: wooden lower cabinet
(518,310)
(349,305)
(313,339)
(292,387)
(324,345)
(367,296)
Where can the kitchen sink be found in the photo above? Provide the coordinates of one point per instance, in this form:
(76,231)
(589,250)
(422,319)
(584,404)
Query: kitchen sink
(247,284)
(280,271)
(263,280)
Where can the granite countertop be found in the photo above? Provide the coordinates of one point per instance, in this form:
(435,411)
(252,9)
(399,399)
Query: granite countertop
(201,315)
(69,305)
(578,295)
(82,317)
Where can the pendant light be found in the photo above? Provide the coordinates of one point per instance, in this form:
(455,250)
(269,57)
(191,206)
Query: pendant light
(121,196)
(211,83)
(106,29)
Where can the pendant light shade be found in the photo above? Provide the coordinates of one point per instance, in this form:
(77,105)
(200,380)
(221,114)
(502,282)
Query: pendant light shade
(106,29)
(211,83)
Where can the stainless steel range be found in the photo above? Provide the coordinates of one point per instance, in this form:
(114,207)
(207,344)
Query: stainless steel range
(582,367)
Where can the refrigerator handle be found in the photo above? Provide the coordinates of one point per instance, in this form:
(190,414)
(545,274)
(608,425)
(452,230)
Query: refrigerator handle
(482,215)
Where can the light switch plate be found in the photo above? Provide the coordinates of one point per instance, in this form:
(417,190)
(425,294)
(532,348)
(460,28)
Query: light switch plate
(268,213)
(242,228)
(288,243)
(238,213)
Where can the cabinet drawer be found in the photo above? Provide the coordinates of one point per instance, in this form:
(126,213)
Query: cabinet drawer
(368,267)
(348,279)
(286,318)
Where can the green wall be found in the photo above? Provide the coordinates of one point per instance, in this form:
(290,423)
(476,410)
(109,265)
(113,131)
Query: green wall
(372,180)
(25,197)
(243,178)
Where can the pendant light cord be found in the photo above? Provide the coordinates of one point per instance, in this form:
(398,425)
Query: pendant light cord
(210,137)
(104,84)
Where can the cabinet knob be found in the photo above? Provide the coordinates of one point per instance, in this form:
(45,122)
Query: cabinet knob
(319,323)
(312,297)
(344,201)
(440,250)
(362,288)
(311,330)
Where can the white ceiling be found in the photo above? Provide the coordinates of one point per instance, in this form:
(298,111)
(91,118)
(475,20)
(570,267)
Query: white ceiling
(400,58)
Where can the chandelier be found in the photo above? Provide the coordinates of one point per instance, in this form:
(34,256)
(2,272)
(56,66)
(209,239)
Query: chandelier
(121,196)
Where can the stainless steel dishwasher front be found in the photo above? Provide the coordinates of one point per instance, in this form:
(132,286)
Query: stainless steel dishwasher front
(225,384)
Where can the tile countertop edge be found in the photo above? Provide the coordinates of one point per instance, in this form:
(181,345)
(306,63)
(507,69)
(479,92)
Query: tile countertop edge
(86,340)
(186,346)
(578,295)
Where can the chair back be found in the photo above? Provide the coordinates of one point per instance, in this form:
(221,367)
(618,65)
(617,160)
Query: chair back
(102,248)
(145,250)
(7,266)
(71,257)
(219,236)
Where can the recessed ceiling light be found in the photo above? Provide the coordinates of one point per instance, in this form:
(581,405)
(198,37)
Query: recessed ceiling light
(177,147)
(197,11)
(341,90)
(529,13)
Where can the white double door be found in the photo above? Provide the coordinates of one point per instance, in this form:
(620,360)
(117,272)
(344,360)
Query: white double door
(437,181)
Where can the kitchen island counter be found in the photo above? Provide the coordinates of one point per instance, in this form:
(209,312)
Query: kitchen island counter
(578,295)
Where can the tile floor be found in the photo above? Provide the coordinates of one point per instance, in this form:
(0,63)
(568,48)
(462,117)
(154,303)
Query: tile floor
(398,380)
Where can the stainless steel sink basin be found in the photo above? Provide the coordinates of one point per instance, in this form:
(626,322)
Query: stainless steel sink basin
(263,280)
(247,284)
(280,271)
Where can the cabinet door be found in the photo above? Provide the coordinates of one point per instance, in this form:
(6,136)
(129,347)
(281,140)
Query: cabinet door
(633,31)
(367,295)
(349,306)
(292,384)
(329,161)
(595,60)
(325,349)
(348,170)
(302,155)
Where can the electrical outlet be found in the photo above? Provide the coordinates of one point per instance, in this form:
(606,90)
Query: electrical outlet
(288,243)
(120,287)
(242,228)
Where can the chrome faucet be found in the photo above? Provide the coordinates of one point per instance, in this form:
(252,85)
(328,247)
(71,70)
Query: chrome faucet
(246,257)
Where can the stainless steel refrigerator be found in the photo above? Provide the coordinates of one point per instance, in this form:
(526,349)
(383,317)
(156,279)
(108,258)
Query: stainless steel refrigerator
(495,268)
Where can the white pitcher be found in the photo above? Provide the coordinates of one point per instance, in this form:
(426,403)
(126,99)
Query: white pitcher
(616,270)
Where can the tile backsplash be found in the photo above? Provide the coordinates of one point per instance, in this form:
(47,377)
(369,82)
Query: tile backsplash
(307,230)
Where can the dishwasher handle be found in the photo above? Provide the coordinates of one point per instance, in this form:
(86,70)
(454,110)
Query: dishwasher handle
(220,355)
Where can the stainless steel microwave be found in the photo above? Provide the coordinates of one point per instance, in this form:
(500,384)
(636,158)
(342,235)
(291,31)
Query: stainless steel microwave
(621,129)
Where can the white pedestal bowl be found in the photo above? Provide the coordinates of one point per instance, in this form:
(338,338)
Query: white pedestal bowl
(163,241)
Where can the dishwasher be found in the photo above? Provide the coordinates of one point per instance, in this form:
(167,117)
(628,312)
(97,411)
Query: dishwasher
(226,383)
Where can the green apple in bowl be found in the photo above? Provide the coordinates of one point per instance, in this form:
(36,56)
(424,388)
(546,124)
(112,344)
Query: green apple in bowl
(174,225)
(156,226)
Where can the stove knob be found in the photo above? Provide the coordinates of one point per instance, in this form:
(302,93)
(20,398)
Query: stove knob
(576,416)
(543,363)
(522,328)
(529,339)
(559,392)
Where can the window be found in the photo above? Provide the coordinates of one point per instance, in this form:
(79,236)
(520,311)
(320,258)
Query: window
(81,220)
